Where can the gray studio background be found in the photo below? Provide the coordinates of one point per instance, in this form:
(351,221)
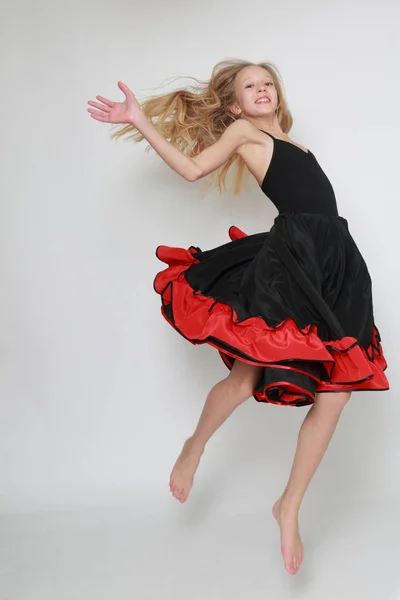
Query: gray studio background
(97,392)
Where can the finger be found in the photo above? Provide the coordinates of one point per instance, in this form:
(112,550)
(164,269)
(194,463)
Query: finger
(98,118)
(124,88)
(98,112)
(100,106)
(99,115)
(105,100)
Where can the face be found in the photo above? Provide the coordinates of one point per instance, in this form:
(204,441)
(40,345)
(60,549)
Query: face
(256,94)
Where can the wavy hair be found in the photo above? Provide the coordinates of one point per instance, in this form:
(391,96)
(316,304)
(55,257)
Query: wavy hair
(194,117)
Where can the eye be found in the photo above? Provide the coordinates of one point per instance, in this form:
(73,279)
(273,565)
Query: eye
(266,83)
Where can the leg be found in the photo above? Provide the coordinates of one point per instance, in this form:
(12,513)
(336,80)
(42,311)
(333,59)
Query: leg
(314,437)
(221,401)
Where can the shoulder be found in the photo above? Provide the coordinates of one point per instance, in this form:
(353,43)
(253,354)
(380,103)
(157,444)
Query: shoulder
(243,132)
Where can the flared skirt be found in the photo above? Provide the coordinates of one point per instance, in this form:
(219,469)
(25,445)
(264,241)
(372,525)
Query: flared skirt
(295,300)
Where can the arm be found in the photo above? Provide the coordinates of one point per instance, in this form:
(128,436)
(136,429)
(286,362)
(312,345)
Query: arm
(210,159)
(205,162)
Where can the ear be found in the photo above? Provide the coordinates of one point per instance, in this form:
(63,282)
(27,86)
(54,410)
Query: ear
(235,109)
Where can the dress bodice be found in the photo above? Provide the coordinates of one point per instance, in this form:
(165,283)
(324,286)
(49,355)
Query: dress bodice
(295,182)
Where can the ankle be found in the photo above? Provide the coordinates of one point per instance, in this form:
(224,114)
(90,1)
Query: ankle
(289,504)
(194,445)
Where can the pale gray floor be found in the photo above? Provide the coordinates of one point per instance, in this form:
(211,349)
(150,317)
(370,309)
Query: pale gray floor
(351,553)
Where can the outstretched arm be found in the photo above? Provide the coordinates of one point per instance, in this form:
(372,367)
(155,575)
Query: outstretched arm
(205,162)
(210,159)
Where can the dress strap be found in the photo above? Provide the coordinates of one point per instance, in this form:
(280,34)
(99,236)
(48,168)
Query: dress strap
(270,134)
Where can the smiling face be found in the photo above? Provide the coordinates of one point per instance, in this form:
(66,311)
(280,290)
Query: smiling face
(256,95)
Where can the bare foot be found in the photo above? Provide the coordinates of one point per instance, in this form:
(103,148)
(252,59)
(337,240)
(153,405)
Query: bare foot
(291,544)
(181,479)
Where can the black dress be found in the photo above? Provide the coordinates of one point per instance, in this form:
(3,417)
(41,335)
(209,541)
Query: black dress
(296,300)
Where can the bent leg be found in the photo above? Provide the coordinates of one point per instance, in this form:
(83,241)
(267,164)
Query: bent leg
(221,401)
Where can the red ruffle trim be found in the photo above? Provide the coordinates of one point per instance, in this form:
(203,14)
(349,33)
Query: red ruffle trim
(199,318)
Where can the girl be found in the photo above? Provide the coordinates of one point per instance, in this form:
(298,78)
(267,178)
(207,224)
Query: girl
(289,310)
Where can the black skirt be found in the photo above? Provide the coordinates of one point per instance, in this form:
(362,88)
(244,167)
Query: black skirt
(296,300)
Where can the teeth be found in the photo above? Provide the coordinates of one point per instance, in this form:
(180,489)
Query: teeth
(263,101)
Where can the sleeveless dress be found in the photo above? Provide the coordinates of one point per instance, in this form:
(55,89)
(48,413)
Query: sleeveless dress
(296,300)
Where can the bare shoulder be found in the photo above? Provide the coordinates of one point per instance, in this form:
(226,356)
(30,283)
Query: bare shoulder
(236,138)
(243,132)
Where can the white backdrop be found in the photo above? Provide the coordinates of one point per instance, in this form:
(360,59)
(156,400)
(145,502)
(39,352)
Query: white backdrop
(98,393)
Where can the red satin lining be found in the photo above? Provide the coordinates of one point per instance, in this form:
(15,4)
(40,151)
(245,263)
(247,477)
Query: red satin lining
(292,394)
(196,317)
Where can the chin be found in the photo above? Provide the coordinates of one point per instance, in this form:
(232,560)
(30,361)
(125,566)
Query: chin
(264,113)
(265,108)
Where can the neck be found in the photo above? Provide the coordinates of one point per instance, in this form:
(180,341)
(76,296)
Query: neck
(271,125)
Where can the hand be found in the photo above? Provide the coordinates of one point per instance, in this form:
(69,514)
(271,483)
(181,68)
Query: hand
(116,112)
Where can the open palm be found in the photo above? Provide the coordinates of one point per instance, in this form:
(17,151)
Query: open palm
(116,112)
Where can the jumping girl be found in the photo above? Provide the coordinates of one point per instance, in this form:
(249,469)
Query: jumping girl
(289,310)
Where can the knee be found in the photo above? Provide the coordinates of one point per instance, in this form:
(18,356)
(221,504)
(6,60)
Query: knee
(332,403)
(240,388)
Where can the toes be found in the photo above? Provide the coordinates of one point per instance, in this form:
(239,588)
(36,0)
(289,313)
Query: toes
(173,489)
(297,562)
(291,565)
(290,569)
(288,564)
(294,567)
(178,493)
(300,559)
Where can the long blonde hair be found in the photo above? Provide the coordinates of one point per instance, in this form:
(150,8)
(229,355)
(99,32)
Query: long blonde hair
(195,117)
